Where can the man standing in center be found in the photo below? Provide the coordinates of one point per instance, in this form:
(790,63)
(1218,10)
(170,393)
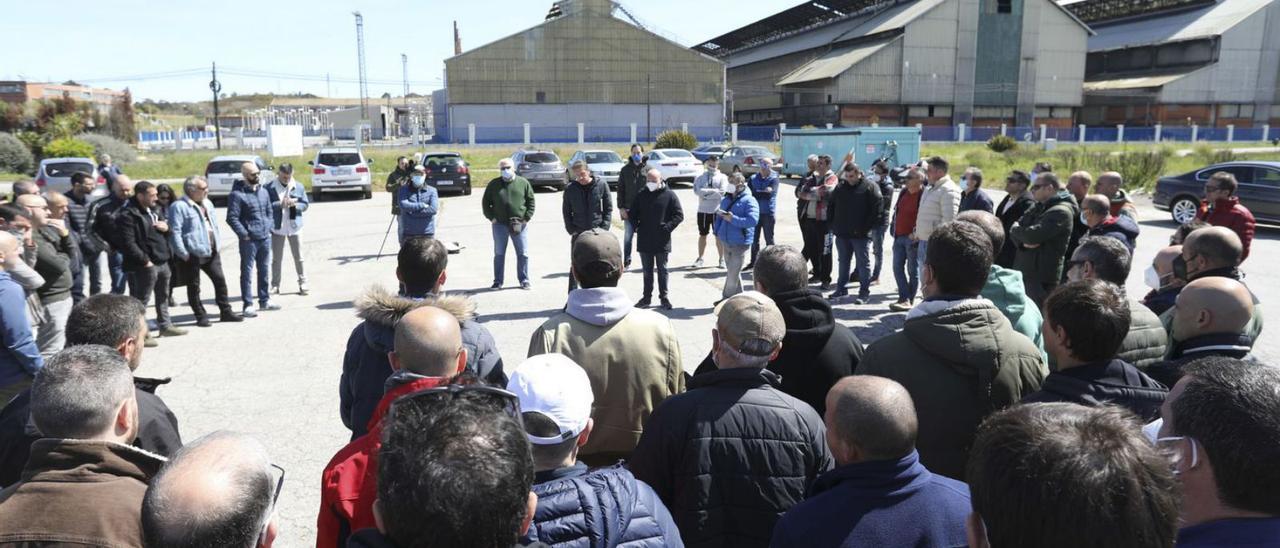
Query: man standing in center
(419,203)
(655,213)
(194,239)
(735,226)
(587,204)
(1042,235)
(632,356)
(250,217)
(508,203)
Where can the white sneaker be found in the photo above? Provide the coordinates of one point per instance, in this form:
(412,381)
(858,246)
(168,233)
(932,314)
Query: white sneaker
(275,289)
(249,312)
(721,263)
(698,263)
(271,305)
(302,288)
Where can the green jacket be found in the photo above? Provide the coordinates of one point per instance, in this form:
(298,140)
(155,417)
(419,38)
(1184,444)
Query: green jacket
(504,200)
(960,361)
(1048,227)
(395,180)
(1005,290)
(1144,346)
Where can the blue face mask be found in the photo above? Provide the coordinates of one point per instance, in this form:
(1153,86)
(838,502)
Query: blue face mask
(418,181)
(635,158)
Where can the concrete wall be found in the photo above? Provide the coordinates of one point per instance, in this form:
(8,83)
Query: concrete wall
(1062,50)
(929,55)
(563,116)
(877,79)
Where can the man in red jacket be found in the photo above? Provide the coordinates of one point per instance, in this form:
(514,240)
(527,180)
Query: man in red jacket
(428,351)
(1221,207)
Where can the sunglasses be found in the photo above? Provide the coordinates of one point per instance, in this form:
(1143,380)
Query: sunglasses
(275,496)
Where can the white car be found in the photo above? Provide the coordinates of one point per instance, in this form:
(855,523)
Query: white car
(342,169)
(605,164)
(675,164)
(54,175)
(222,172)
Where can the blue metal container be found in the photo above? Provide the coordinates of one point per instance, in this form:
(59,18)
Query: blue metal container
(896,145)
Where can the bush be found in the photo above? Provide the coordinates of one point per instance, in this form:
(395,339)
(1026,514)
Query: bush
(1002,143)
(120,151)
(14,156)
(676,139)
(68,148)
(1207,154)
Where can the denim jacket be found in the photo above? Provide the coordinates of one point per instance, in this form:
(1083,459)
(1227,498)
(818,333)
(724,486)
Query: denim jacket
(188,234)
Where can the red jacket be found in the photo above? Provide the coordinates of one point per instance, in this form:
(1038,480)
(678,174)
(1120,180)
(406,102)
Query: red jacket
(349,484)
(1229,213)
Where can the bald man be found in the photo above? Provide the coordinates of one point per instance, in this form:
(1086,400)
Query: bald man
(871,429)
(59,206)
(217,491)
(1164,285)
(54,248)
(428,352)
(1213,252)
(1095,212)
(1210,319)
(102,223)
(1111,185)
(250,215)
(19,355)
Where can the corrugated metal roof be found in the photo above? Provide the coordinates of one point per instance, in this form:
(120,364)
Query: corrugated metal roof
(1136,82)
(832,64)
(1205,22)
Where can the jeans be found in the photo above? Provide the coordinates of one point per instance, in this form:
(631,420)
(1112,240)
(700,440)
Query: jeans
(628,234)
(51,336)
(651,262)
(764,229)
(573,282)
(815,247)
(154,280)
(501,234)
(734,257)
(859,249)
(906,267)
(254,254)
(115,263)
(920,258)
(95,264)
(877,249)
(277,257)
(212,267)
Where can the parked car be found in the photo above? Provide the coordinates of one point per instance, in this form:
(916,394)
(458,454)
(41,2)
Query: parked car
(223,171)
(54,175)
(746,158)
(707,151)
(675,165)
(1259,190)
(448,172)
(605,164)
(341,170)
(540,167)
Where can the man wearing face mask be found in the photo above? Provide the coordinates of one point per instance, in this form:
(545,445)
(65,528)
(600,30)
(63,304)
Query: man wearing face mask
(764,188)
(287,209)
(586,205)
(631,180)
(735,226)
(249,213)
(1213,252)
(1164,285)
(711,186)
(656,213)
(418,202)
(508,203)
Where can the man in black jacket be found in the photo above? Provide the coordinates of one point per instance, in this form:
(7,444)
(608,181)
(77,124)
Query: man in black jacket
(102,219)
(631,181)
(854,211)
(145,244)
(1014,205)
(702,450)
(880,177)
(1209,320)
(91,246)
(656,213)
(587,205)
(1085,323)
(110,320)
(817,351)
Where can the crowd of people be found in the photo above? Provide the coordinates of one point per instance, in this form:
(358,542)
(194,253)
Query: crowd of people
(1028,400)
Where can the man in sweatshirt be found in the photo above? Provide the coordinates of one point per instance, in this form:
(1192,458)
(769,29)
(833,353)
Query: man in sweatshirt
(710,187)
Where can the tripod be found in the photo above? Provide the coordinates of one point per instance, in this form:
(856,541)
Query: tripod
(384,238)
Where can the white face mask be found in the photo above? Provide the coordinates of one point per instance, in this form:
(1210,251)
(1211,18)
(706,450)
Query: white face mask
(1152,278)
(653,187)
(418,181)
(508,174)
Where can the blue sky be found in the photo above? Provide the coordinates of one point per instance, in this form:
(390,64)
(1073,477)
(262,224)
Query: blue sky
(162,49)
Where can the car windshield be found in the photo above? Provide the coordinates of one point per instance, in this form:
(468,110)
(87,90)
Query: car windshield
(755,151)
(677,154)
(232,166)
(65,169)
(603,158)
(443,161)
(541,158)
(339,158)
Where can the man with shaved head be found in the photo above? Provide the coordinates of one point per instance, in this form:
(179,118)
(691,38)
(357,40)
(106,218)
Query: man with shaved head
(1214,252)
(1165,286)
(53,262)
(102,223)
(19,356)
(1209,319)
(879,494)
(1095,212)
(1111,185)
(217,491)
(1078,184)
(250,215)
(428,352)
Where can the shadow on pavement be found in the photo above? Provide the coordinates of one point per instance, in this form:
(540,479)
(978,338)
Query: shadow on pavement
(344,305)
(348,259)
(511,316)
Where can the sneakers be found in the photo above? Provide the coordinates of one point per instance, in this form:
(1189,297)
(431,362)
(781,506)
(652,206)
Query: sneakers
(698,263)
(203,321)
(626,265)
(721,263)
(496,285)
(644,303)
(838,295)
(665,304)
(814,279)
(900,306)
(249,312)
(526,286)
(229,316)
(862,300)
(302,288)
(150,342)
(270,305)
(275,289)
(171,331)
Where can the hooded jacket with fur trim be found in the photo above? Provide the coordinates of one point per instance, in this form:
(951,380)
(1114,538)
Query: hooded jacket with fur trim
(365,367)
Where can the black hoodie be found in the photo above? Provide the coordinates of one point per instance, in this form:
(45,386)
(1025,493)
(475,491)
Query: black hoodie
(816,352)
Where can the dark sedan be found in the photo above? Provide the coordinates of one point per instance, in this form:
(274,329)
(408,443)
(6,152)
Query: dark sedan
(1259,190)
(448,172)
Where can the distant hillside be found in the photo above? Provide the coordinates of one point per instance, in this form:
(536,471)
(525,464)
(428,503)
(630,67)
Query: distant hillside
(228,104)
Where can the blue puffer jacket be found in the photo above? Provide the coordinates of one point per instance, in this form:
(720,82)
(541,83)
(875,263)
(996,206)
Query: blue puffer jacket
(418,207)
(187,233)
(603,508)
(249,211)
(740,230)
(365,367)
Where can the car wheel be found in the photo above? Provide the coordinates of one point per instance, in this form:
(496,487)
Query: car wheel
(368,193)
(466,191)
(1184,210)
(317,196)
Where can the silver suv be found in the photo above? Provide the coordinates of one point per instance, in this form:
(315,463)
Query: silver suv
(540,167)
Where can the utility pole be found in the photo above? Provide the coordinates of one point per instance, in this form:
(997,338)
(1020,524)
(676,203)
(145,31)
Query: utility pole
(364,82)
(328,92)
(404,67)
(216,87)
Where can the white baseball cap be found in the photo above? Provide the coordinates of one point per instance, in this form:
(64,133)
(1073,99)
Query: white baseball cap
(557,387)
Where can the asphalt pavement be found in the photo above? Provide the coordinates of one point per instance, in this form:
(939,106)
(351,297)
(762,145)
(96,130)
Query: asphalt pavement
(276,376)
